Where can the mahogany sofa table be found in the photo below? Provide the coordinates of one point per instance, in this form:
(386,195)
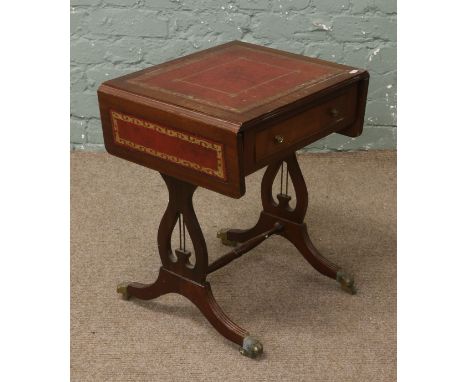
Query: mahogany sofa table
(211,118)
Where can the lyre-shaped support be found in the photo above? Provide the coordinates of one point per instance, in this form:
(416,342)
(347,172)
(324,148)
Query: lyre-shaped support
(282,208)
(179,275)
(180,203)
(292,219)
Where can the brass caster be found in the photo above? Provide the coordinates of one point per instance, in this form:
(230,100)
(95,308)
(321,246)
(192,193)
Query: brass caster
(222,234)
(346,281)
(122,289)
(251,347)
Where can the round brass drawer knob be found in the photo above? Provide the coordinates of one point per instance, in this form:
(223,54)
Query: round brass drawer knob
(279,139)
(334,113)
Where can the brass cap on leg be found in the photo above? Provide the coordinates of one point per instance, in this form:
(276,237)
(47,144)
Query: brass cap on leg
(222,234)
(346,281)
(251,347)
(122,289)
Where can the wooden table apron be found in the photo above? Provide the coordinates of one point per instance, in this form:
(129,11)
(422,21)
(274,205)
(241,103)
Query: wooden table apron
(211,118)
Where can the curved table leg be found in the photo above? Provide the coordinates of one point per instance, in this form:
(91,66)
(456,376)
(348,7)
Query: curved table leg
(295,230)
(231,237)
(297,234)
(202,297)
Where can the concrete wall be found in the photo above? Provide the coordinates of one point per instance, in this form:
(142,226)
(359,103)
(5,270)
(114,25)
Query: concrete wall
(110,38)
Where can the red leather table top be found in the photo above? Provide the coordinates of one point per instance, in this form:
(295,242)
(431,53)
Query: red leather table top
(235,81)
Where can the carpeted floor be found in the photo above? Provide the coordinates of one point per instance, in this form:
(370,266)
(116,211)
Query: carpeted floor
(310,329)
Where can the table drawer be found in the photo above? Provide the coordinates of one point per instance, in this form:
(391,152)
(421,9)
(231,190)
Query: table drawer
(333,114)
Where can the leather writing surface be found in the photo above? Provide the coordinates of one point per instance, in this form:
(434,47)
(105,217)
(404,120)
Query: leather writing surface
(236,78)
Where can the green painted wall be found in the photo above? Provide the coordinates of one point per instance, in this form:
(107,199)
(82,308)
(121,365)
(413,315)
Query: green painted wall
(110,38)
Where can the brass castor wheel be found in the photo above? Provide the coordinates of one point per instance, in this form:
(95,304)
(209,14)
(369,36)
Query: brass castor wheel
(222,234)
(346,281)
(251,347)
(122,289)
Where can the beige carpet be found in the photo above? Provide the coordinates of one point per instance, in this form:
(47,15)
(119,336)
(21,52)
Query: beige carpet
(310,329)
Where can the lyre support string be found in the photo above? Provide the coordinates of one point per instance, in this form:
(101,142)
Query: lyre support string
(180,232)
(183,228)
(287,178)
(281,180)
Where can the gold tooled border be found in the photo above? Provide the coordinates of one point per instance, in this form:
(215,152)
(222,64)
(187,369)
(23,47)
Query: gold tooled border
(218,148)
(140,81)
